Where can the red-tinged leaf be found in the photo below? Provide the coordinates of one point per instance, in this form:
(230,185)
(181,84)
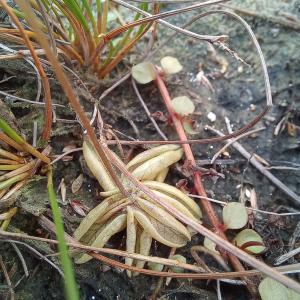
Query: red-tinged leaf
(79,208)
(182,185)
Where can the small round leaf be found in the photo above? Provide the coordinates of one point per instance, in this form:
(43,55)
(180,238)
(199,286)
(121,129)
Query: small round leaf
(181,259)
(250,241)
(170,65)
(235,215)
(144,72)
(183,105)
(270,289)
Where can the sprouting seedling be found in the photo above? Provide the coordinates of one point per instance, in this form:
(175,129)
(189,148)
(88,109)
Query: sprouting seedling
(270,289)
(249,241)
(145,72)
(235,215)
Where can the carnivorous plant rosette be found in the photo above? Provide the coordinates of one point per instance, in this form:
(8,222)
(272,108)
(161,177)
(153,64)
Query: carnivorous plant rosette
(142,217)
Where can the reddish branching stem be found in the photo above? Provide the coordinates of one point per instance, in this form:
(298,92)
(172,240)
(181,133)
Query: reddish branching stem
(206,205)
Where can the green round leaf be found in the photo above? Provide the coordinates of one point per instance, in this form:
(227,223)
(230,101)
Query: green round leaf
(181,259)
(183,105)
(155,266)
(270,289)
(235,215)
(170,65)
(144,72)
(247,237)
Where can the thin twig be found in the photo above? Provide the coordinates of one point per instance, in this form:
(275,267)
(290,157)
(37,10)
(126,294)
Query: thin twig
(116,84)
(147,111)
(36,252)
(8,281)
(230,142)
(28,101)
(39,81)
(64,154)
(159,17)
(21,257)
(260,167)
(248,208)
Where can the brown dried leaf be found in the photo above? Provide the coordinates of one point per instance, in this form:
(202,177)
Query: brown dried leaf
(77,183)
(63,190)
(79,208)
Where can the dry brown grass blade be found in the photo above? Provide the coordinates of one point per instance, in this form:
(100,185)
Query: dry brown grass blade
(47,94)
(108,158)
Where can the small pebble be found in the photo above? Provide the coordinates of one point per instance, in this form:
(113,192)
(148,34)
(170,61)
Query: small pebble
(211,117)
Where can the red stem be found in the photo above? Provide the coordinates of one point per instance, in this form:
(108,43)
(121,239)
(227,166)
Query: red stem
(206,205)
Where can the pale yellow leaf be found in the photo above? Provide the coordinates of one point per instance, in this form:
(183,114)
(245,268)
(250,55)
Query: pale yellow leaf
(161,176)
(144,248)
(103,235)
(96,166)
(209,244)
(159,231)
(163,216)
(176,193)
(130,237)
(152,167)
(144,72)
(183,105)
(170,65)
(94,215)
(148,154)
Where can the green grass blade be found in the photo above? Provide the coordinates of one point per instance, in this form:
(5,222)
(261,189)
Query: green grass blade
(71,290)
(10,132)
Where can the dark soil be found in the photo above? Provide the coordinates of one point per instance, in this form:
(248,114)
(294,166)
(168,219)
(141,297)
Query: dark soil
(234,94)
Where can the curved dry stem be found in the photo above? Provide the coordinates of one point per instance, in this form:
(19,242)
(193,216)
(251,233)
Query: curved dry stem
(158,17)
